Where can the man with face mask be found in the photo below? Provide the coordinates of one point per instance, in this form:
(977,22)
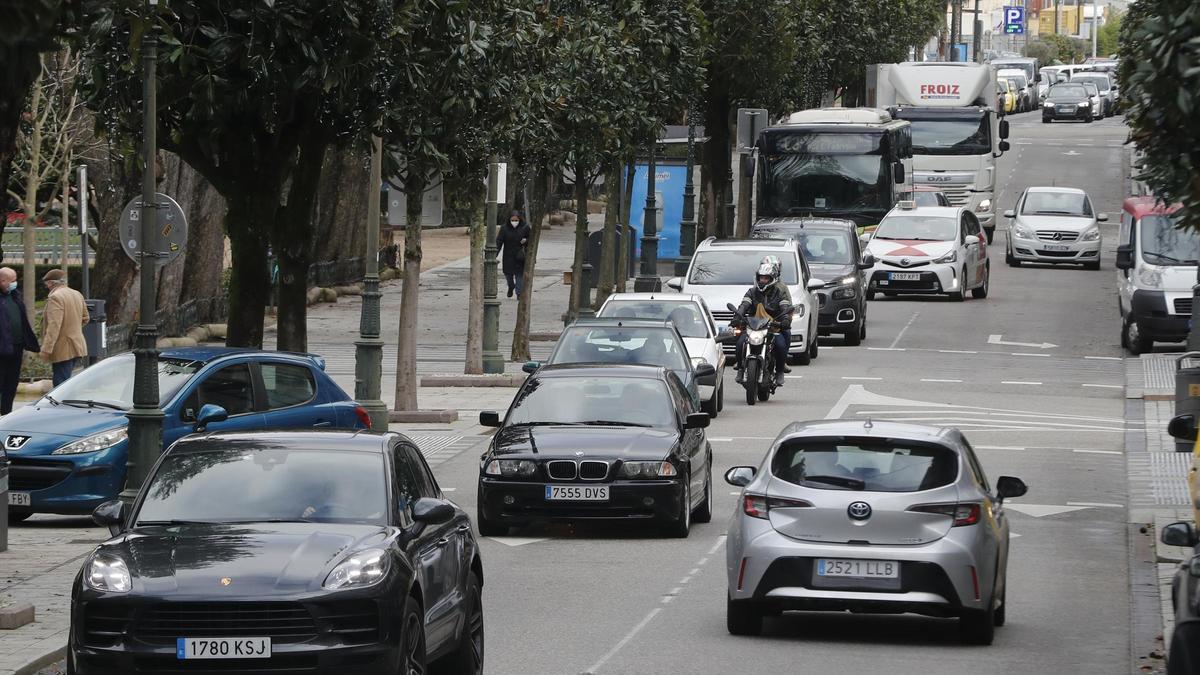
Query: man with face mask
(16,338)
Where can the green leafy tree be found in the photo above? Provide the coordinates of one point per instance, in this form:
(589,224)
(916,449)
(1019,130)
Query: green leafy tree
(252,97)
(1108,37)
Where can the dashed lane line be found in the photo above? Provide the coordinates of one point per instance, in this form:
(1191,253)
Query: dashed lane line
(1022,382)
(931,379)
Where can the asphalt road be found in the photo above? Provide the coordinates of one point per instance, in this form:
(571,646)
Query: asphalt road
(615,600)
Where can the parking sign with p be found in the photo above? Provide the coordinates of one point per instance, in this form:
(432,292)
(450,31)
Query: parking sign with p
(1014,20)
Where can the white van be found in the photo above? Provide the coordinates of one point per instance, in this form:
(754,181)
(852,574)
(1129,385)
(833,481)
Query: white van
(1156,269)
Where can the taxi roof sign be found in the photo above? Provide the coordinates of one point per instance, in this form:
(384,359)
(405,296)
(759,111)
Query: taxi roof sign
(907,205)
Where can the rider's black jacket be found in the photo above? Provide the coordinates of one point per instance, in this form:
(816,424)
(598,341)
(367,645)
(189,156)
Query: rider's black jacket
(776,300)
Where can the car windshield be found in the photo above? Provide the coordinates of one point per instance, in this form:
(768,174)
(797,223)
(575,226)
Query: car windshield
(827,247)
(1024,67)
(818,182)
(1057,204)
(877,466)
(262,483)
(621,344)
(1098,81)
(1091,88)
(927,198)
(632,401)
(1065,91)
(919,228)
(969,134)
(1017,76)
(685,314)
(1164,243)
(737,267)
(1003,84)
(109,383)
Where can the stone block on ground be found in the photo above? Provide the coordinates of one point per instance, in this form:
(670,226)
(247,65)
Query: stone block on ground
(199,334)
(489,380)
(13,615)
(217,331)
(434,415)
(35,388)
(314,295)
(353,289)
(168,342)
(389,274)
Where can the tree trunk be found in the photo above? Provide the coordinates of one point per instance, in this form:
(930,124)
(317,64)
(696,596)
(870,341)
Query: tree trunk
(406,353)
(578,283)
(716,160)
(32,183)
(341,212)
(608,247)
(536,211)
(293,242)
(204,255)
(248,223)
(477,230)
(114,275)
(626,214)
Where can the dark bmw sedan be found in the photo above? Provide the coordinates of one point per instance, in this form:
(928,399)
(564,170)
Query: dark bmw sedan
(595,442)
(313,552)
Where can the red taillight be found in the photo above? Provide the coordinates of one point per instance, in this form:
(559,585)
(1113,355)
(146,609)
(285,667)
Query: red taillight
(758,506)
(363,417)
(741,574)
(963,514)
(975,581)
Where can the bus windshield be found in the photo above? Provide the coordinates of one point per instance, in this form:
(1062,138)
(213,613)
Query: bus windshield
(824,183)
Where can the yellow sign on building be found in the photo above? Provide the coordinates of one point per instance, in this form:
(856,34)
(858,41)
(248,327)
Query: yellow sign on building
(1068,25)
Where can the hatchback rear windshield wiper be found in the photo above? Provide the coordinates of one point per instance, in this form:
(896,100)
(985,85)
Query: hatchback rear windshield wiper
(92,404)
(842,481)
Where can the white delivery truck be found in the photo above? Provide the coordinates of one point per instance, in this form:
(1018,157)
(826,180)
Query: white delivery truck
(957,133)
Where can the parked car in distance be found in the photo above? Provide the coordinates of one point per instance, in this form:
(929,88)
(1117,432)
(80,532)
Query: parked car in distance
(1067,101)
(695,324)
(1156,269)
(296,551)
(1104,86)
(68,449)
(1008,98)
(833,252)
(1054,225)
(597,442)
(869,517)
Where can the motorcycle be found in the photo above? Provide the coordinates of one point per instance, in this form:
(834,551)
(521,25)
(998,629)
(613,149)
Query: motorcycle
(758,359)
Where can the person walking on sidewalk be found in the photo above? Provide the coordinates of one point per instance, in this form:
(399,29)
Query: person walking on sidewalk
(62,326)
(512,241)
(16,338)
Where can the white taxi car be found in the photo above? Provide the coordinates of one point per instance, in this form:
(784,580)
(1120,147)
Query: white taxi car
(929,250)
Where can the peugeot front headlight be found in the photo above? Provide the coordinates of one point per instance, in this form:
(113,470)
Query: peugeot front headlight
(950,257)
(364,568)
(100,441)
(107,572)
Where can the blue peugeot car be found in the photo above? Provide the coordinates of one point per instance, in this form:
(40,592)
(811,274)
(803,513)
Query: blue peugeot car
(68,449)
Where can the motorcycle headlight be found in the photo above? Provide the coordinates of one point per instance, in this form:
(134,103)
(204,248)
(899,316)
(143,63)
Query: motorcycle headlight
(984,206)
(511,468)
(107,572)
(364,568)
(647,470)
(756,337)
(950,257)
(100,441)
(1091,234)
(1022,232)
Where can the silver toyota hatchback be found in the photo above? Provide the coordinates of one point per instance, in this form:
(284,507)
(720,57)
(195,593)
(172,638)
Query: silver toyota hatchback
(847,515)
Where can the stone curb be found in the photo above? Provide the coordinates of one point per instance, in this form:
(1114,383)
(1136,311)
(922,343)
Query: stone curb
(40,661)
(544,336)
(444,415)
(503,380)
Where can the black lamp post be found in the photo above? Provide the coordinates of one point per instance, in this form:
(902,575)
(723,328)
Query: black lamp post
(647,280)
(687,225)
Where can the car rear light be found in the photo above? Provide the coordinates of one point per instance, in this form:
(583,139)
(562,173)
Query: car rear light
(975,581)
(741,574)
(363,417)
(963,514)
(758,506)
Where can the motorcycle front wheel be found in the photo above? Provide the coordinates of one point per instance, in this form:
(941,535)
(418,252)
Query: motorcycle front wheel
(751,381)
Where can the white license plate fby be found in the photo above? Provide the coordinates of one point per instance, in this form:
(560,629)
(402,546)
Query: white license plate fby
(19,499)
(223,648)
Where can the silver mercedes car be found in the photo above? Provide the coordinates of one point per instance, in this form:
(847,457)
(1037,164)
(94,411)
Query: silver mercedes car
(869,517)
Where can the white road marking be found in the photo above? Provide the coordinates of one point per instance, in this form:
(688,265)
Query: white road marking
(1105,386)
(873,379)
(930,379)
(1043,510)
(1034,384)
(999,447)
(717,546)
(903,330)
(719,440)
(1104,358)
(625,640)
(1028,354)
(516,541)
(735,493)
(995,340)
(956,351)
(1097,452)
(1097,504)
(846,399)
(694,571)
(887,349)
(446,489)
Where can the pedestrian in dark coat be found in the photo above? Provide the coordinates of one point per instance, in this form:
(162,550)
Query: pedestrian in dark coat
(511,241)
(16,338)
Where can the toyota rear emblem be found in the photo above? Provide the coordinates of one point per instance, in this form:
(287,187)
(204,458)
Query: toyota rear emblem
(15,442)
(859,510)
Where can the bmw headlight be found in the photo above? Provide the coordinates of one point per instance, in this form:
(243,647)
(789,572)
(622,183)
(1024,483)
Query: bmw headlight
(950,257)
(647,470)
(510,468)
(107,572)
(984,206)
(364,568)
(1090,234)
(1022,232)
(100,441)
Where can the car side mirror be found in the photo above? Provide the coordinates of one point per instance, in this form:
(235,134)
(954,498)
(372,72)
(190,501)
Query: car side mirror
(489,418)
(1003,131)
(1102,218)
(1182,427)
(209,413)
(1008,487)
(898,172)
(531,366)
(1124,259)
(1178,534)
(971,240)
(705,370)
(1005,146)
(675,283)
(697,420)
(815,284)
(741,476)
(432,511)
(1010,214)
(110,514)
(867,262)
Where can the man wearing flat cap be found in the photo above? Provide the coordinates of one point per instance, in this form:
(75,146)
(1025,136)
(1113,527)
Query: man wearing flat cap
(62,326)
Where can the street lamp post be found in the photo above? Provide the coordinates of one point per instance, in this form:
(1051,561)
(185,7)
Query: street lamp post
(145,420)
(687,225)
(647,280)
(492,361)
(368,349)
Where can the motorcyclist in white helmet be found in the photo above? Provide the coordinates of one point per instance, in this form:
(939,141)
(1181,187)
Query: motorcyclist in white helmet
(768,295)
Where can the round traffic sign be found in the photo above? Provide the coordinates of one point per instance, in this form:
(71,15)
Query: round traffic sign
(170,227)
